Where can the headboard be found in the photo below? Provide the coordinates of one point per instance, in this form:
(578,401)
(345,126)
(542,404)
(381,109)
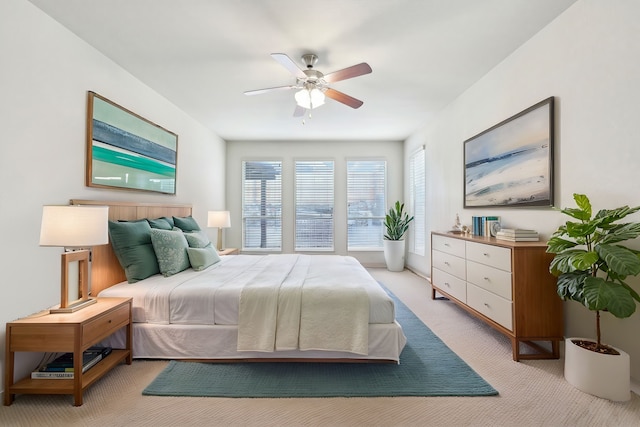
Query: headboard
(105,268)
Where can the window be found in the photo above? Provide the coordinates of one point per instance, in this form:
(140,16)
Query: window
(366,205)
(262,205)
(314,205)
(417,202)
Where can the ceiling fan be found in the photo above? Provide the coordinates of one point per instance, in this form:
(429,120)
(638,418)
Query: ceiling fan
(312,86)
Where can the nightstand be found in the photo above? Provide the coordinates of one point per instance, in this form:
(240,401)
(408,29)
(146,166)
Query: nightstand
(229,251)
(67,332)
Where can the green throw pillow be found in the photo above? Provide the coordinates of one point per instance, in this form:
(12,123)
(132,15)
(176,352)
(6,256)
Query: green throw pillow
(131,242)
(171,251)
(201,258)
(186,223)
(197,239)
(160,223)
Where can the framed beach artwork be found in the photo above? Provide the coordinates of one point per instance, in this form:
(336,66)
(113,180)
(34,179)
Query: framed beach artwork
(126,151)
(511,163)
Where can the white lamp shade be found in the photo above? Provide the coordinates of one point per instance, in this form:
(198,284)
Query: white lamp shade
(219,219)
(74,226)
(309,98)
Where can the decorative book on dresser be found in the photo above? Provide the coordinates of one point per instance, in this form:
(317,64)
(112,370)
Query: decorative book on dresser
(506,284)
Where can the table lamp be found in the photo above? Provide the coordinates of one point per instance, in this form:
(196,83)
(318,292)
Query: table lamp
(76,229)
(219,219)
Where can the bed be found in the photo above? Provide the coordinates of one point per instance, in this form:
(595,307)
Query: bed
(281,307)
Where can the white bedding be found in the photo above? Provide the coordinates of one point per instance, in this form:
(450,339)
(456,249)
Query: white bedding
(213,297)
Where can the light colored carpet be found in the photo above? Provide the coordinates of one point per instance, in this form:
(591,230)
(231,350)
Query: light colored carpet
(532,393)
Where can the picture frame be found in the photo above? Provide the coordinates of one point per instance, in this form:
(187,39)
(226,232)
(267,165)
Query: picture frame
(126,151)
(511,163)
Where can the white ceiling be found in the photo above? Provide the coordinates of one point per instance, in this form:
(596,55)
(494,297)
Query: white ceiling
(203,54)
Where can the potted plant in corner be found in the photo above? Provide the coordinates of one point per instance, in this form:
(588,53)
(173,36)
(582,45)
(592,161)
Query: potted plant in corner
(396,223)
(592,267)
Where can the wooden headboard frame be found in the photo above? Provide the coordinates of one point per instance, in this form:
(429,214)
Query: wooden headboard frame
(105,268)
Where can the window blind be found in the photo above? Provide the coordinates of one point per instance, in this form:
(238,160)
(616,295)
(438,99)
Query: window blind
(417,202)
(314,182)
(366,204)
(262,205)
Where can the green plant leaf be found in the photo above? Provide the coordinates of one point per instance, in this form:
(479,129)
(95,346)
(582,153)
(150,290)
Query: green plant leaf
(571,286)
(583,203)
(621,233)
(582,260)
(603,295)
(575,229)
(565,261)
(608,216)
(596,293)
(556,244)
(577,213)
(619,259)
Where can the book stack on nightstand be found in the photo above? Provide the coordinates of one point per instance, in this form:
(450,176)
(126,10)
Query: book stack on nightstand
(62,366)
(517,235)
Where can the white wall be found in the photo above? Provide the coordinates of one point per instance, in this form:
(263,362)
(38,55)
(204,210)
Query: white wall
(44,78)
(589,59)
(288,152)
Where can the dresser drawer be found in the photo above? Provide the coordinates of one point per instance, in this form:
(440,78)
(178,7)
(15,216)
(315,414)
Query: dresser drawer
(455,287)
(105,324)
(449,263)
(495,256)
(492,279)
(491,305)
(449,245)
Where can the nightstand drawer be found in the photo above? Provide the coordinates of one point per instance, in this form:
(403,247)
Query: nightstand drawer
(106,324)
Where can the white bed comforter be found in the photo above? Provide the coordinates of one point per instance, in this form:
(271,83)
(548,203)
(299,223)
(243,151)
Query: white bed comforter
(279,302)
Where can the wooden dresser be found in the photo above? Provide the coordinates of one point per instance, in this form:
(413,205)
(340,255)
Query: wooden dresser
(506,284)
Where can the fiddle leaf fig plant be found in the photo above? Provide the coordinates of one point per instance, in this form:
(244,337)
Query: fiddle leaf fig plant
(396,222)
(590,264)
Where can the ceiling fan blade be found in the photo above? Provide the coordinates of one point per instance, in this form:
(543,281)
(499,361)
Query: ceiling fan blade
(288,63)
(269,89)
(348,73)
(344,98)
(299,111)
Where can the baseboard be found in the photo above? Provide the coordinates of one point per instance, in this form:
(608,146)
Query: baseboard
(417,273)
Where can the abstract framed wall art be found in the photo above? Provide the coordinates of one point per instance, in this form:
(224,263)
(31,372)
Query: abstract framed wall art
(511,163)
(126,151)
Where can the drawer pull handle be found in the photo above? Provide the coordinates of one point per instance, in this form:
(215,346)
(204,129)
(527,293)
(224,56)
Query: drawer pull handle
(447,245)
(446,263)
(487,279)
(487,305)
(109,321)
(485,254)
(447,284)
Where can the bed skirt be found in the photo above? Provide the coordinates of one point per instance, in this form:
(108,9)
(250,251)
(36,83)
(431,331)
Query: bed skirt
(156,341)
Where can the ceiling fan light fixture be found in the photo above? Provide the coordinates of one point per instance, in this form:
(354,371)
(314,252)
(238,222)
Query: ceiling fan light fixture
(309,98)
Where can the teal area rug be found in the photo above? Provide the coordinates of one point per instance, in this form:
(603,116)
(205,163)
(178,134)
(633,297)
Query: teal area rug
(427,368)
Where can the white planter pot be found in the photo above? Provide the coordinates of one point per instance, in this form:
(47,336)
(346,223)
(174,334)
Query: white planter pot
(603,375)
(394,254)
